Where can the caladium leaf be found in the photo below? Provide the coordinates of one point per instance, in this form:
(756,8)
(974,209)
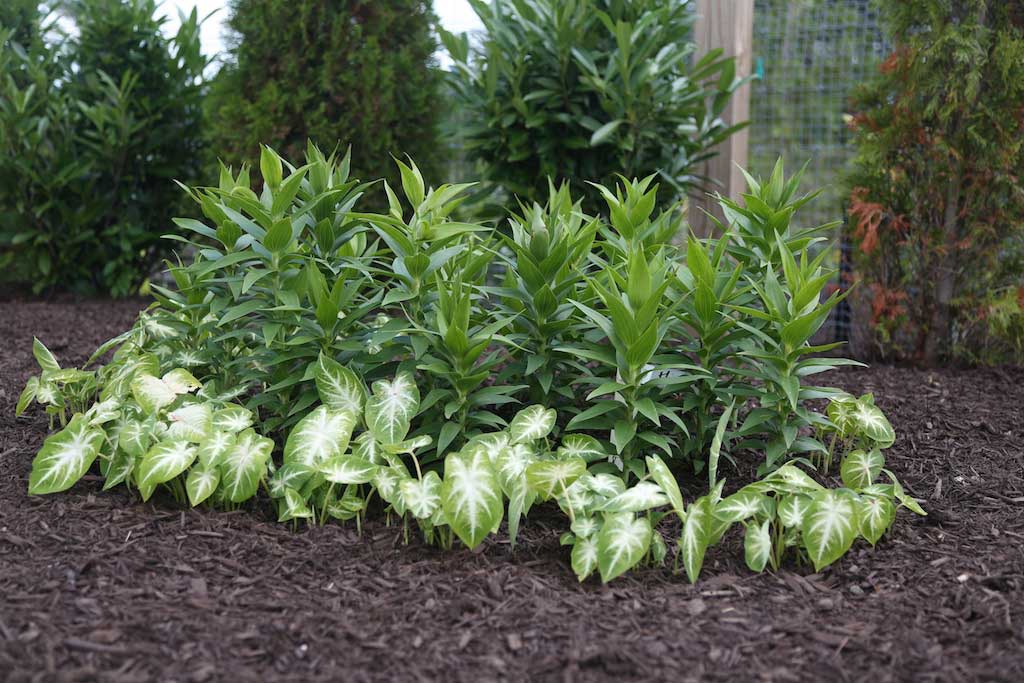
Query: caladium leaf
(181,381)
(151,393)
(791,479)
(292,506)
(164,461)
(47,361)
(902,497)
(232,419)
(202,481)
(103,412)
(510,466)
(387,482)
(644,495)
(291,475)
(660,472)
(585,527)
(740,506)
(696,534)
(367,448)
(549,478)
(603,484)
(409,445)
(792,510)
(873,424)
(245,465)
(348,469)
(322,434)
(830,526)
(213,449)
(391,407)
(584,556)
(757,544)
(841,413)
(422,496)
(876,515)
(191,422)
(577,498)
(118,469)
(28,394)
(621,543)
(531,424)
(339,388)
(491,444)
(581,446)
(860,468)
(471,496)
(135,436)
(65,457)
(716,445)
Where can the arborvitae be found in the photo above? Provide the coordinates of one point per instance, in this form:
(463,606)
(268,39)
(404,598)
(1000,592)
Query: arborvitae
(338,72)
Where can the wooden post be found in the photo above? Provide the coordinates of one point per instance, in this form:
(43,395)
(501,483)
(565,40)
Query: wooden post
(726,24)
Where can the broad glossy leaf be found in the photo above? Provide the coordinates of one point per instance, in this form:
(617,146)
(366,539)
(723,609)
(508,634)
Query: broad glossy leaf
(876,515)
(47,361)
(584,556)
(549,478)
(181,381)
(409,445)
(65,457)
(151,393)
(192,422)
(585,527)
(531,424)
(28,394)
(367,448)
(902,497)
(118,469)
(339,387)
(322,434)
(471,496)
(293,506)
(422,496)
(232,419)
(757,544)
(716,446)
(135,436)
(103,412)
(165,461)
(873,424)
(603,484)
(348,469)
(387,482)
(581,446)
(644,495)
(510,466)
(696,534)
(245,465)
(660,472)
(391,407)
(841,411)
(291,475)
(621,544)
(577,498)
(792,509)
(213,449)
(830,526)
(202,481)
(740,506)
(860,468)
(791,479)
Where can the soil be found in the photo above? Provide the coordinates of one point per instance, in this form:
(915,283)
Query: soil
(99,587)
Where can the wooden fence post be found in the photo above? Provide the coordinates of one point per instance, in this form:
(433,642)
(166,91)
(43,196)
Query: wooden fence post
(726,24)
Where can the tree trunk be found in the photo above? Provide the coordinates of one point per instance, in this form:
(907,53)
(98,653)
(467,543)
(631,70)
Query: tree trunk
(940,333)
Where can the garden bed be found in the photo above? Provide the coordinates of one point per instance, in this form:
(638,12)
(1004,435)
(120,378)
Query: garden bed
(96,586)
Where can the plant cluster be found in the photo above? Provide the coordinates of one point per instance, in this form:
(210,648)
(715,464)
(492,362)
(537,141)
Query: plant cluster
(94,129)
(582,89)
(387,355)
(937,201)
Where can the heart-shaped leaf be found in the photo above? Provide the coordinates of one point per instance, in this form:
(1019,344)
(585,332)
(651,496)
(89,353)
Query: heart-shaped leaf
(165,461)
(873,424)
(151,393)
(202,481)
(348,469)
(549,478)
(757,545)
(65,457)
(531,424)
(792,509)
(622,542)
(471,496)
(232,419)
(391,407)
(339,388)
(876,515)
(830,527)
(660,472)
(860,468)
(292,506)
(740,506)
(696,534)
(181,381)
(245,465)
(584,556)
(644,495)
(191,422)
(322,434)
(581,446)
(422,496)
(213,449)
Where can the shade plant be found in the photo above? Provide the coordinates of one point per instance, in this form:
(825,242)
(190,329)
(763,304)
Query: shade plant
(350,362)
(936,200)
(584,89)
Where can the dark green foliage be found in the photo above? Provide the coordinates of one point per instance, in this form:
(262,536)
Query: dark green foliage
(339,72)
(94,130)
(582,89)
(937,199)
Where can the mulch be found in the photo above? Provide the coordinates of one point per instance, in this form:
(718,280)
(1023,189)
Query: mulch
(99,587)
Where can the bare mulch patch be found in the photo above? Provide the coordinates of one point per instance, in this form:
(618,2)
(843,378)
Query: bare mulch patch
(98,587)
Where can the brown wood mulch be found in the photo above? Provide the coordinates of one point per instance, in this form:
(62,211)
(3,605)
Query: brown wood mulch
(99,587)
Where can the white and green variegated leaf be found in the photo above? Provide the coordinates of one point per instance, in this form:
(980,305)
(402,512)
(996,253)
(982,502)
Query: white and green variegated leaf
(604,484)
(876,515)
(491,444)
(151,393)
(581,446)
(860,468)
(740,506)
(181,381)
(757,544)
(520,499)
(830,526)
(292,506)
(47,361)
(641,496)
(792,509)
(48,395)
(391,407)
(348,469)
(471,496)
(213,449)
(339,387)
(322,434)
(118,384)
(790,479)
(65,457)
(28,394)
(532,423)
(165,461)
(585,527)
(621,544)
(872,423)
(103,412)
(422,496)
(136,436)
(202,481)
(191,422)
(387,482)
(232,419)
(577,498)
(584,556)
(409,445)
(841,411)
(118,469)
(245,465)
(901,495)
(510,465)
(696,534)
(291,475)
(367,448)
(660,472)
(549,478)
